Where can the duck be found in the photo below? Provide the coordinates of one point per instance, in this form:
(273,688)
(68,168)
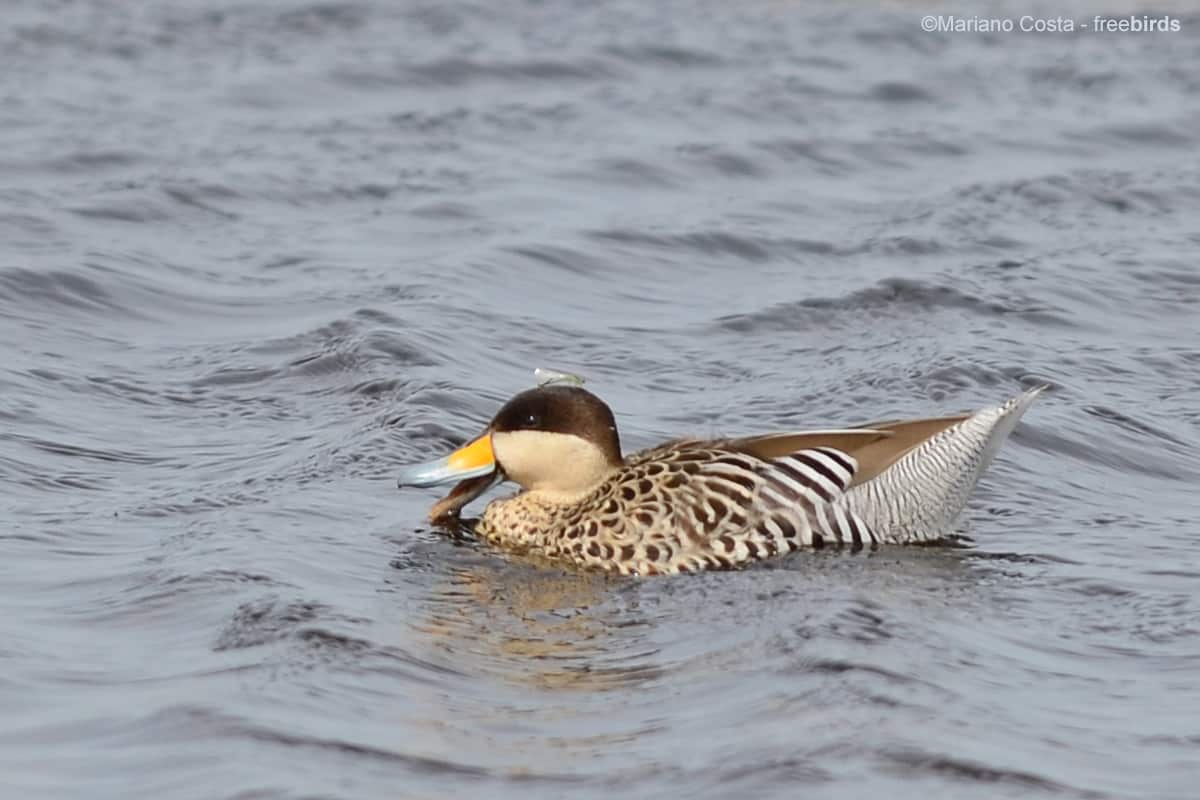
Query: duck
(691,504)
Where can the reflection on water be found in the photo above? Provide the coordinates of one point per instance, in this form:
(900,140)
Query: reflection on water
(537,626)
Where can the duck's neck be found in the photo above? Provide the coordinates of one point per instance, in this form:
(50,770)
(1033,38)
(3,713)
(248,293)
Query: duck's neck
(557,497)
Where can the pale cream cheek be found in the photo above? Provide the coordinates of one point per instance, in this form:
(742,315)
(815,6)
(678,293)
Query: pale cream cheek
(553,462)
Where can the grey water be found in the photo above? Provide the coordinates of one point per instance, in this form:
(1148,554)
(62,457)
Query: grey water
(256,255)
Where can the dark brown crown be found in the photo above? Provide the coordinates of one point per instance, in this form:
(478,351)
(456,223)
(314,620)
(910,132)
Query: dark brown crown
(562,409)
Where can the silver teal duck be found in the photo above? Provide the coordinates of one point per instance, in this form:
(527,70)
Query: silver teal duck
(695,504)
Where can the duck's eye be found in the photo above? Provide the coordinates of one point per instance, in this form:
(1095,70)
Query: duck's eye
(532,421)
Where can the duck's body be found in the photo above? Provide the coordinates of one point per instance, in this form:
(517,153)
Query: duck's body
(692,505)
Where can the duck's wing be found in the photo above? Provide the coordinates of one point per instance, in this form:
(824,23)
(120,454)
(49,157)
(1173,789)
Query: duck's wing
(873,447)
(696,507)
(777,445)
(765,447)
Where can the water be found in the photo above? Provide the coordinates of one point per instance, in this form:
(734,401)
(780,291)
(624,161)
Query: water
(257,255)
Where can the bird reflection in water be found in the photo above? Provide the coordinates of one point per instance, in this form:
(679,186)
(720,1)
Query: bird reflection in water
(542,626)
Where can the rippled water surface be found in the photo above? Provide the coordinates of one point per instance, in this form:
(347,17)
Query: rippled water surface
(256,255)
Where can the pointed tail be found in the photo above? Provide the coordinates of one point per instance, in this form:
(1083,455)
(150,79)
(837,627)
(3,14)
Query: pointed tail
(918,497)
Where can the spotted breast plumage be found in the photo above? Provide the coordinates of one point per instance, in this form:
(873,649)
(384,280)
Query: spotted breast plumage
(693,505)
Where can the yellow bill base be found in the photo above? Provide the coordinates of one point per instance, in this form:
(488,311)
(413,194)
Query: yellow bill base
(473,456)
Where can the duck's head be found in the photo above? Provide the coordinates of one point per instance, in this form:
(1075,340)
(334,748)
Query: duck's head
(559,441)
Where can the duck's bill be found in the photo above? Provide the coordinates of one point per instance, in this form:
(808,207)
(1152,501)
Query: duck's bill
(446,510)
(472,460)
